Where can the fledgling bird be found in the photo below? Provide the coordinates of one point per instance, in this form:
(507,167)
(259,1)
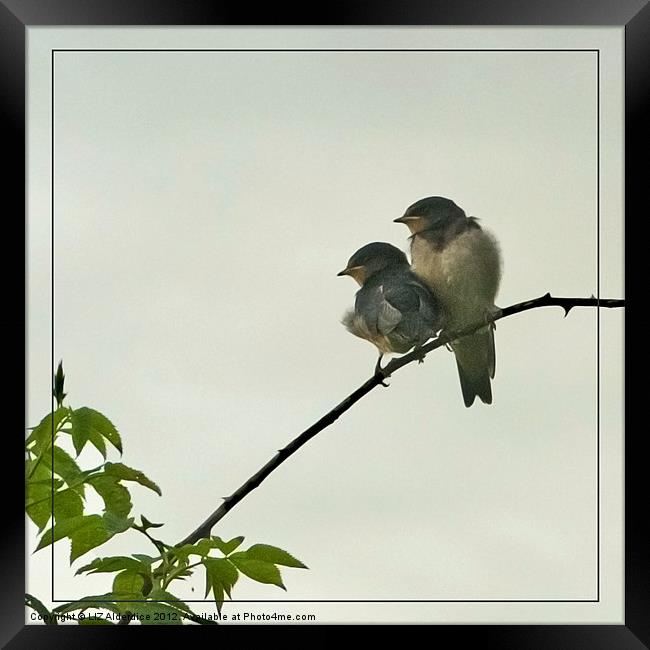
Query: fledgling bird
(461,263)
(394,310)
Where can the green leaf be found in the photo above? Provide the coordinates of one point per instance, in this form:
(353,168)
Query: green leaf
(85,532)
(128,581)
(81,436)
(161,594)
(202,548)
(148,582)
(116,524)
(217,592)
(145,559)
(112,564)
(41,435)
(220,577)
(181,575)
(182,553)
(274,555)
(92,426)
(67,528)
(146,524)
(155,613)
(67,504)
(37,605)
(55,483)
(116,497)
(40,513)
(258,570)
(125,473)
(38,494)
(122,599)
(89,537)
(103,601)
(65,467)
(227,547)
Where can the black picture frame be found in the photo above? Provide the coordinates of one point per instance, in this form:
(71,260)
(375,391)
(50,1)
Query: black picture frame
(634,15)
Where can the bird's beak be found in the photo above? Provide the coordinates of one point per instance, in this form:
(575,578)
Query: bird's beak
(405,219)
(350,270)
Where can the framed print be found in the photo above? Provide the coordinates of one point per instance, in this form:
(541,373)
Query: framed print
(210,438)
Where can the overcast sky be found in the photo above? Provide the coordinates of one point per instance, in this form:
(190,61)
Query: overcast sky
(205,202)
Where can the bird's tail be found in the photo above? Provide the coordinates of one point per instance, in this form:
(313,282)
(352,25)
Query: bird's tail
(476,361)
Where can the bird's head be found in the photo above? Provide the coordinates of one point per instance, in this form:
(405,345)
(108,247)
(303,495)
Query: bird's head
(371,259)
(431,213)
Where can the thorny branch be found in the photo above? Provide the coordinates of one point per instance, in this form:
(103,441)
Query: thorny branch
(376,380)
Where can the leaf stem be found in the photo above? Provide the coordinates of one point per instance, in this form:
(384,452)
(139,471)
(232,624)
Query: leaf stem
(174,572)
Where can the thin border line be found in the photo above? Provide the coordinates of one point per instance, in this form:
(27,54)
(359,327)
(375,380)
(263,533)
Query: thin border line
(226,49)
(52,325)
(187,600)
(598,318)
(597,51)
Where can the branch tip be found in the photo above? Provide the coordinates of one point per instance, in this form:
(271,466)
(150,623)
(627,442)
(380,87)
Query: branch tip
(381,374)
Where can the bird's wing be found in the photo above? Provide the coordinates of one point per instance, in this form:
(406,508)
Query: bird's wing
(428,308)
(394,304)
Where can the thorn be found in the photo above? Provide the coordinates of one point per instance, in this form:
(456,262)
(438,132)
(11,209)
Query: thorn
(567,310)
(382,381)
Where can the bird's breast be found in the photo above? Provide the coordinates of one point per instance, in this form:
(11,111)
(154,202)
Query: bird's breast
(464,275)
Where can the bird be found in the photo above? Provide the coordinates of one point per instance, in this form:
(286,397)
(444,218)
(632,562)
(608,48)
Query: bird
(461,263)
(393,309)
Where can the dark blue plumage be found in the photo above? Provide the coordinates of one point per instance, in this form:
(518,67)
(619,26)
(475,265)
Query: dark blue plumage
(394,310)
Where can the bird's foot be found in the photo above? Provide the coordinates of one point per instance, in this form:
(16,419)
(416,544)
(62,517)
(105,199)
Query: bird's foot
(419,354)
(380,371)
(441,334)
(489,316)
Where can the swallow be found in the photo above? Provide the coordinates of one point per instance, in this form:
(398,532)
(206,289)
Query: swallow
(461,263)
(393,309)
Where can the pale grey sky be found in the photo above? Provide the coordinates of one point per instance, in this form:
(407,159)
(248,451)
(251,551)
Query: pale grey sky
(205,202)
